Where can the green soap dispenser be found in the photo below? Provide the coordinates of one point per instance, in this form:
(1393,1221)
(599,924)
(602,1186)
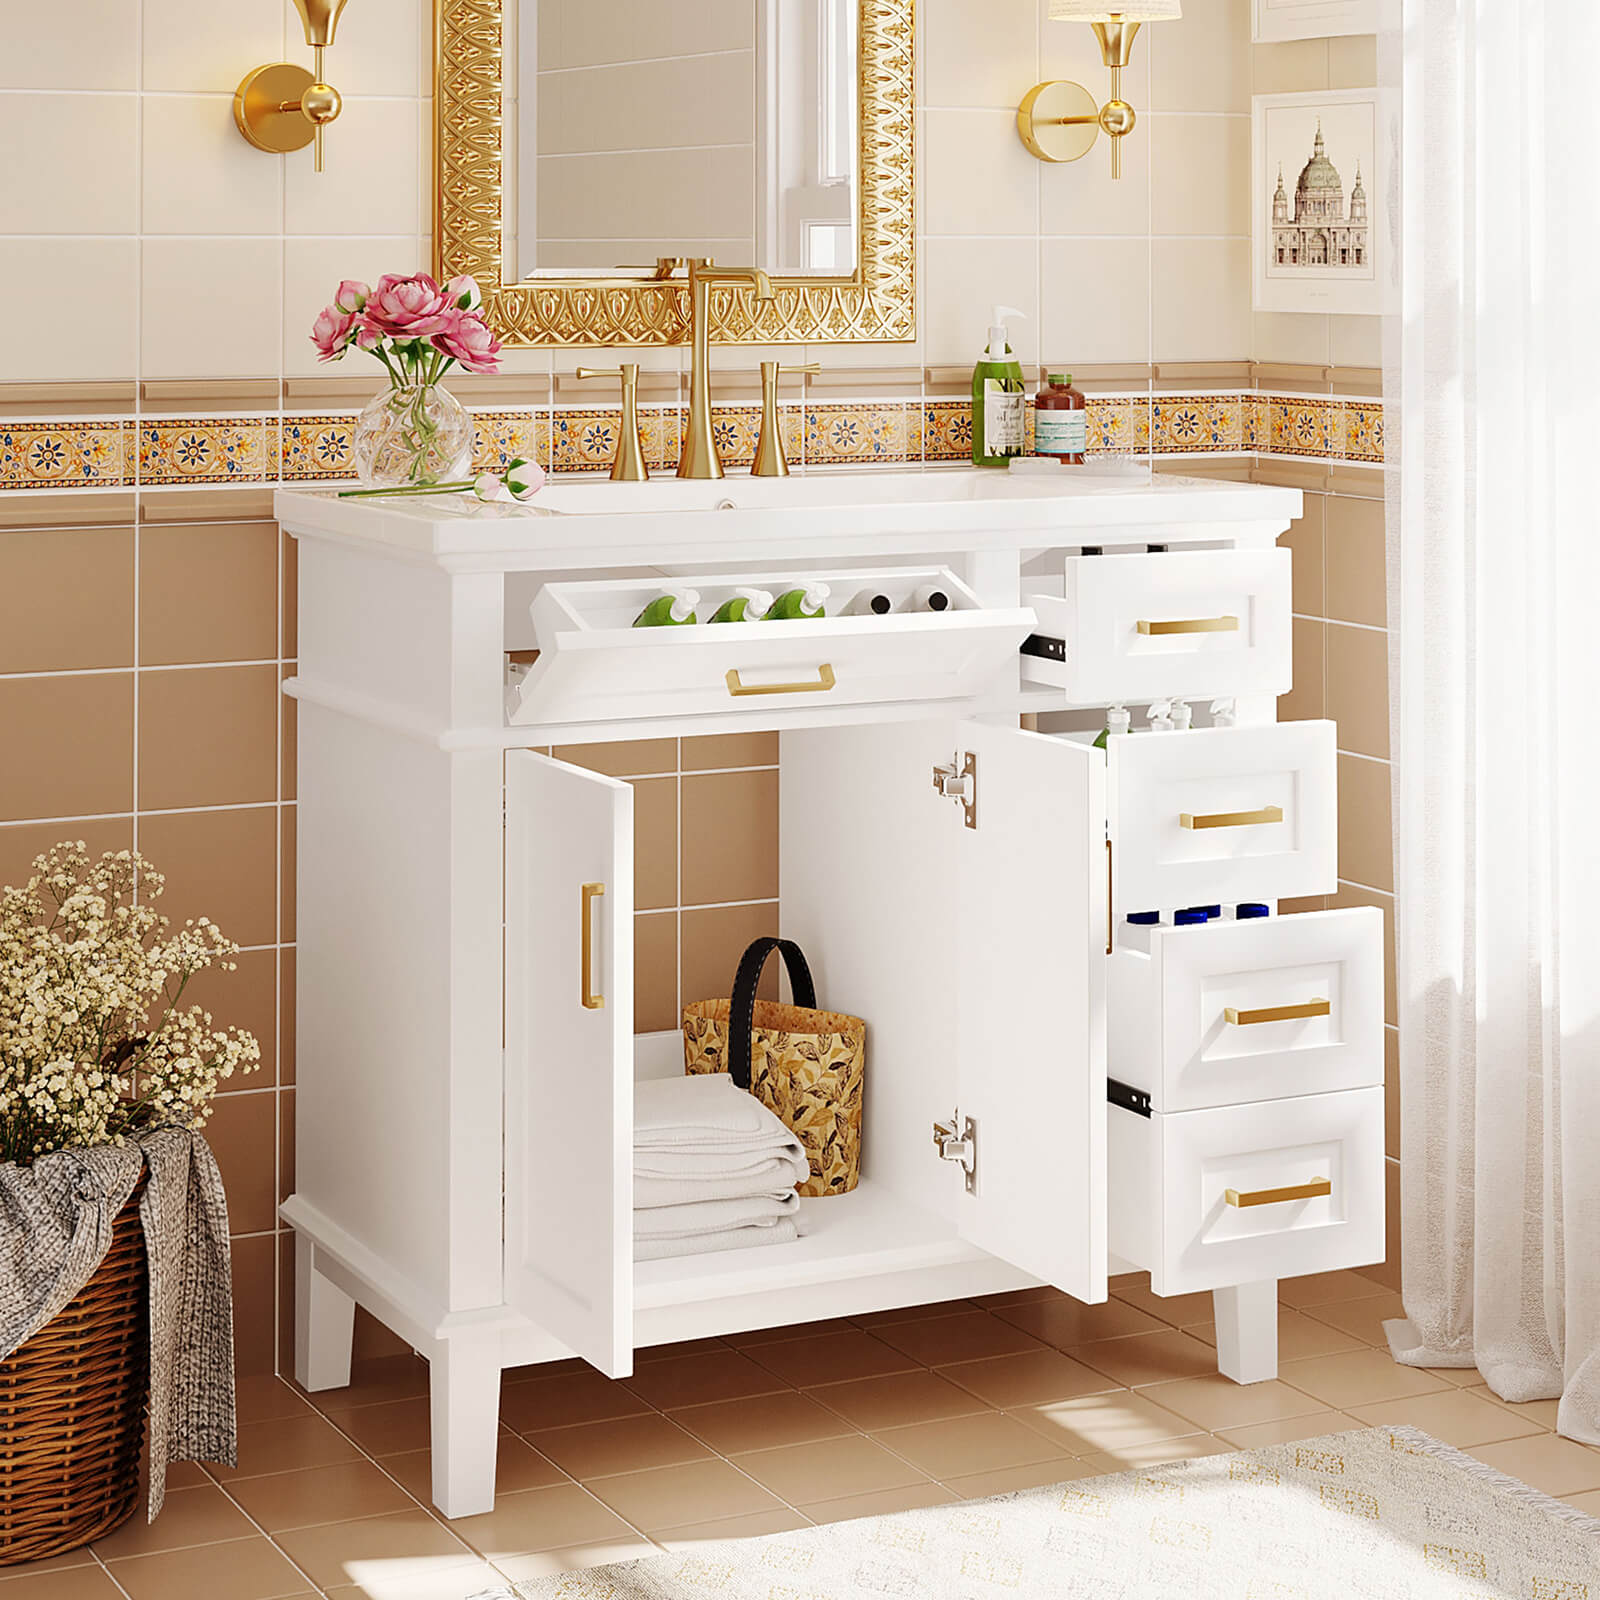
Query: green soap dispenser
(999,398)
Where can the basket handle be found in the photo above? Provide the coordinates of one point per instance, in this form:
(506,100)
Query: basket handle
(742,1009)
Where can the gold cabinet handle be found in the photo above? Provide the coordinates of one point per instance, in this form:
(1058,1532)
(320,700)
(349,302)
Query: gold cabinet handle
(1231,819)
(1189,625)
(825,681)
(1317,1189)
(1246,1019)
(591,1000)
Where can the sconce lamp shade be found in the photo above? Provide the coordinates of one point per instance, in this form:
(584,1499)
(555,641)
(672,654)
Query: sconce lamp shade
(1110,11)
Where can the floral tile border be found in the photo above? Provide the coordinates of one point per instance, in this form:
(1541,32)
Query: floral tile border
(319,446)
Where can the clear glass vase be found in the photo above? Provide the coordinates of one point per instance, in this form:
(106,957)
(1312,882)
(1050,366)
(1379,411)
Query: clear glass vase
(411,436)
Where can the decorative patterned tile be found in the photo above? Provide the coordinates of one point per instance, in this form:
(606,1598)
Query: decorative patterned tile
(1253,411)
(856,432)
(66,455)
(1112,424)
(584,439)
(500,437)
(208,450)
(1195,423)
(318,447)
(947,430)
(737,431)
(1301,427)
(1363,430)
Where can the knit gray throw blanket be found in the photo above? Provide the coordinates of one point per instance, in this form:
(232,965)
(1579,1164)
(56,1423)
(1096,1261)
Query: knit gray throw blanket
(55,1229)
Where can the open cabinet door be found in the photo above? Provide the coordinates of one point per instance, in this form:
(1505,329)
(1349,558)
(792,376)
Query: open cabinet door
(1032,882)
(569,1056)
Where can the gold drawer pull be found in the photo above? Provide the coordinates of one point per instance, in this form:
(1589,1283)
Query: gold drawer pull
(1189,625)
(1245,1019)
(825,681)
(1317,1189)
(591,1000)
(1231,819)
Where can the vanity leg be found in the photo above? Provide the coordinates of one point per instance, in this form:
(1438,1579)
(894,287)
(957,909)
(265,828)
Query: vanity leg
(464,1390)
(1247,1331)
(324,1324)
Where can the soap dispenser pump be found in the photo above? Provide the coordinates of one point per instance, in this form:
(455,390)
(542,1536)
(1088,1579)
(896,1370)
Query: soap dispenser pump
(999,399)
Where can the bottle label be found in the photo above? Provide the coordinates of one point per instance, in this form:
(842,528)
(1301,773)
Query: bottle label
(1060,432)
(1004,417)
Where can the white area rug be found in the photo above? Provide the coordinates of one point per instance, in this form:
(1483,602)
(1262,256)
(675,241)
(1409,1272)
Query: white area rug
(1379,1514)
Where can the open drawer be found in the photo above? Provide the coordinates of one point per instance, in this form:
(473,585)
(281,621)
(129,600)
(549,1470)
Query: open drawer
(1221,815)
(1255,1010)
(595,666)
(1238,1194)
(1197,624)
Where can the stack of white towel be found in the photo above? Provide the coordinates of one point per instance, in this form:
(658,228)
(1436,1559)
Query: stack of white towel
(713,1169)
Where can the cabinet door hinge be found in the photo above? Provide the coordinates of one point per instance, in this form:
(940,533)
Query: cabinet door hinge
(957,1140)
(957,780)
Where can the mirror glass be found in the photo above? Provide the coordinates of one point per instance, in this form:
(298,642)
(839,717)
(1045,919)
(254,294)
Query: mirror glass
(638,129)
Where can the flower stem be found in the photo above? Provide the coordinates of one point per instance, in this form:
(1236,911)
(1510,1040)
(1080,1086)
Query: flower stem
(410,488)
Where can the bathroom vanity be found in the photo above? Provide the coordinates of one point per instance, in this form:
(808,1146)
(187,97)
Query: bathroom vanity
(1048,1100)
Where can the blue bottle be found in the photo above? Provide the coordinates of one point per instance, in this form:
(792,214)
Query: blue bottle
(1191,917)
(1250,910)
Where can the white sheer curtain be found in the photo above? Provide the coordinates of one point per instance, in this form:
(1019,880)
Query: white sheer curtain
(1495,594)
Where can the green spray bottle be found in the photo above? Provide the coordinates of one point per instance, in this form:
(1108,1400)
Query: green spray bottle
(999,398)
(792,604)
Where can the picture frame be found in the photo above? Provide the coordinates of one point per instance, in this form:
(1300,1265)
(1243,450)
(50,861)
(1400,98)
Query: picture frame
(1322,202)
(1275,20)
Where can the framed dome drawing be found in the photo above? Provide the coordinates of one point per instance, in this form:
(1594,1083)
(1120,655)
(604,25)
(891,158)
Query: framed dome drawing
(1312,19)
(1322,202)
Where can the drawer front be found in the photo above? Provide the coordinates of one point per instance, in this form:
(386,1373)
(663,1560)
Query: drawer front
(1260,1010)
(594,666)
(1223,815)
(1195,624)
(1274,1190)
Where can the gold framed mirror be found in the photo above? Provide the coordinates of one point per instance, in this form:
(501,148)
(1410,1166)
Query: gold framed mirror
(485,63)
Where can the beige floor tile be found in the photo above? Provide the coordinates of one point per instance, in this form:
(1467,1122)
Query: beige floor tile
(1328,1288)
(1218,1402)
(576,1557)
(517,1466)
(699,1380)
(286,1444)
(389,1428)
(339,1493)
(1547,1461)
(1357,1378)
(260,1399)
(880,1503)
(402,1544)
(1364,1318)
(669,1497)
(763,1422)
(1171,1310)
(375,1382)
(1588,1501)
(972,1336)
(896,1399)
(191,1516)
(455,1583)
(569,1397)
(1299,1335)
(1459,1418)
(63,1583)
(1101,1422)
(757,1525)
(624,1444)
(980,1485)
(1155,1453)
(960,1446)
(540,1519)
(1288,1430)
(1542,1412)
(829,1469)
(1067,1323)
(1031,1378)
(1149,1357)
(831,1358)
(254,1571)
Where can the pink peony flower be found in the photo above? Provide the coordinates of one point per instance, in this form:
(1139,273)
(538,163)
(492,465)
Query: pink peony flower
(332,332)
(352,296)
(464,293)
(467,339)
(408,308)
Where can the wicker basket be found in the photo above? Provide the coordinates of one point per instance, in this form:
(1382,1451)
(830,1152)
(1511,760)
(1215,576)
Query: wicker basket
(72,1405)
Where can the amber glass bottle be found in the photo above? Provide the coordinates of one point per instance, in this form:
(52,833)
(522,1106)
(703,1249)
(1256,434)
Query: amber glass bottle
(1061,420)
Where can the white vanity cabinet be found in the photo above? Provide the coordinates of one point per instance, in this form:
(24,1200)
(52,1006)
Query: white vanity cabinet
(1205,1104)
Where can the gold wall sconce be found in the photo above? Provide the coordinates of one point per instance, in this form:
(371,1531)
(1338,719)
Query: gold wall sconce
(1060,120)
(281,107)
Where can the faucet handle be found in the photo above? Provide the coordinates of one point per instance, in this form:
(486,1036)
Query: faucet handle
(770,461)
(629,466)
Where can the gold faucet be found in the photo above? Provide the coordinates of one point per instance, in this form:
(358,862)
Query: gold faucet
(699,458)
